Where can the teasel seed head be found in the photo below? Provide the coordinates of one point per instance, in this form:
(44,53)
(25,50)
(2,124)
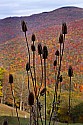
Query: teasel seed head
(61,38)
(70,71)
(55,63)
(33,37)
(64,28)
(57,53)
(24,27)
(39,106)
(33,47)
(42,92)
(61,79)
(10,78)
(39,49)
(27,67)
(45,52)
(31,99)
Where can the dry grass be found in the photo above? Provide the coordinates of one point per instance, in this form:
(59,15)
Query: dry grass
(9,111)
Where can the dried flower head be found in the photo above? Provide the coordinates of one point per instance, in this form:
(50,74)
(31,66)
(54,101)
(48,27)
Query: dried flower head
(64,28)
(10,78)
(45,52)
(27,67)
(61,38)
(39,49)
(55,62)
(42,92)
(31,99)
(70,71)
(24,27)
(39,105)
(33,47)
(33,37)
(57,53)
(5,122)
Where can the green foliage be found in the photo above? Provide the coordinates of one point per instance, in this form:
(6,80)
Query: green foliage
(13,120)
(25,121)
(77,113)
(1,79)
(1,75)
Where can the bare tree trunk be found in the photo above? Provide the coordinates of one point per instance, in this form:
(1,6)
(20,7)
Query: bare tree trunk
(21,102)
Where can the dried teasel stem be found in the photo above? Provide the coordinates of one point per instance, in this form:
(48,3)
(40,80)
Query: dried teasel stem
(28,69)
(31,103)
(70,74)
(34,68)
(57,57)
(60,82)
(64,31)
(40,51)
(54,101)
(33,50)
(61,41)
(24,29)
(11,81)
(45,86)
(45,55)
(31,99)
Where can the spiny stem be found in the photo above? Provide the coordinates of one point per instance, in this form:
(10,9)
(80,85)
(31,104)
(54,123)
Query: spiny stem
(27,47)
(45,86)
(34,66)
(42,74)
(70,96)
(63,45)
(29,59)
(57,79)
(15,104)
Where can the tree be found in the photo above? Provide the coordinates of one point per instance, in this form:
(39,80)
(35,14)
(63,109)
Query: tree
(2,71)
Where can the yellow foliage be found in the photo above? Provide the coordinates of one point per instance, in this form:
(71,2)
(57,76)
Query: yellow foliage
(1,94)
(0,87)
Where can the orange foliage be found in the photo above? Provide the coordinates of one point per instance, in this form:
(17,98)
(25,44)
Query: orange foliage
(81,88)
(77,86)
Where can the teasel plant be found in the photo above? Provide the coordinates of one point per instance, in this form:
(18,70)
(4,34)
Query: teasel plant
(34,68)
(36,107)
(29,91)
(70,74)
(24,29)
(28,66)
(40,92)
(11,82)
(31,98)
(40,52)
(43,53)
(33,50)
(64,32)
(58,64)
(31,103)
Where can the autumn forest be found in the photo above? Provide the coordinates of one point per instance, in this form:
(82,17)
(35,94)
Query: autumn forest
(41,67)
